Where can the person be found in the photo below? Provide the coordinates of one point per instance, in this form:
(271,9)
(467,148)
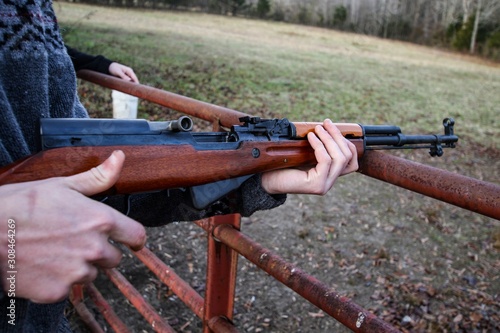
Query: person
(62,236)
(100,64)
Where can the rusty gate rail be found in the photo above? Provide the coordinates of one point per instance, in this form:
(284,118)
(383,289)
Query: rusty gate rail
(177,285)
(339,307)
(465,192)
(469,193)
(225,241)
(105,309)
(218,115)
(144,308)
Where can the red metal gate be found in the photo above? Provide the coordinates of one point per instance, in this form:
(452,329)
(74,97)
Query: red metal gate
(225,241)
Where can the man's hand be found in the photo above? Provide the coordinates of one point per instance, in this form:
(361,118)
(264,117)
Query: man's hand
(61,235)
(336,156)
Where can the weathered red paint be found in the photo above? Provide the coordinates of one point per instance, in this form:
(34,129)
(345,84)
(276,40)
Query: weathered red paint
(167,275)
(222,264)
(339,307)
(465,192)
(76,299)
(157,322)
(105,309)
(222,325)
(206,111)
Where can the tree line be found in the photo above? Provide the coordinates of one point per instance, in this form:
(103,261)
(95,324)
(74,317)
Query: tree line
(466,25)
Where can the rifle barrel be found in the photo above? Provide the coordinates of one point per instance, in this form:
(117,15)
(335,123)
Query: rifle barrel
(400,140)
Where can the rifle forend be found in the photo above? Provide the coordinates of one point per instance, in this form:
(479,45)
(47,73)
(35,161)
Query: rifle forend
(376,137)
(164,155)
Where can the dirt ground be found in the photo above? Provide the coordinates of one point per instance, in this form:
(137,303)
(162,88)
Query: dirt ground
(422,265)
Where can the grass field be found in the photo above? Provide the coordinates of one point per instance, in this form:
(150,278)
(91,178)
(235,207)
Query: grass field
(305,73)
(294,71)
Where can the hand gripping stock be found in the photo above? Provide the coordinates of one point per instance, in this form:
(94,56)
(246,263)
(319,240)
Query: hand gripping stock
(166,155)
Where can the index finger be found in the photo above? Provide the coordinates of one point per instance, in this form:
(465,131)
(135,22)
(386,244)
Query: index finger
(131,74)
(128,231)
(340,140)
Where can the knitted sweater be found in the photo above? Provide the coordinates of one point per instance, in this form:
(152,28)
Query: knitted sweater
(37,80)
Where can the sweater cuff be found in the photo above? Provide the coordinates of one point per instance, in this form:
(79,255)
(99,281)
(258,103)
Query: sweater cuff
(253,197)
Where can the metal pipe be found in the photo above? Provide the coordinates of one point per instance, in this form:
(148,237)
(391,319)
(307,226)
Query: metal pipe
(465,192)
(222,325)
(76,298)
(224,116)
(339,307)
(105,309)
(222,267)
(178,286)
(147,311)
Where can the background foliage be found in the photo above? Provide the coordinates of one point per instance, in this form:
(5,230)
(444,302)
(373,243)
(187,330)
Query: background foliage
(444,23)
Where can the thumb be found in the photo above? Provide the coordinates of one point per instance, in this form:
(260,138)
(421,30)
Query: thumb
(100,178)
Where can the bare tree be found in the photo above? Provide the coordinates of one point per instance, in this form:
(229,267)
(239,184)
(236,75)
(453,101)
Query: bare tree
(476,27)
(487,11)
(466,8)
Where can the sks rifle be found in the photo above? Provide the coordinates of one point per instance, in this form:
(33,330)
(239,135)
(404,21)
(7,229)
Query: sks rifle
(167,155)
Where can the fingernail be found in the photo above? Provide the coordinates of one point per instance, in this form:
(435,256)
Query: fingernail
(116,154)
(118,151)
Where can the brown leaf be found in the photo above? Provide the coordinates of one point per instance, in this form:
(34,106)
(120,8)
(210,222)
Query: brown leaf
(475,317)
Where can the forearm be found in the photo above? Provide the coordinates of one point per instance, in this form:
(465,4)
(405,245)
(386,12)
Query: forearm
(82,60)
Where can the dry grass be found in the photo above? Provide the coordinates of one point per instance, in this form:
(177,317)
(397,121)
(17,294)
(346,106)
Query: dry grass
(297,71)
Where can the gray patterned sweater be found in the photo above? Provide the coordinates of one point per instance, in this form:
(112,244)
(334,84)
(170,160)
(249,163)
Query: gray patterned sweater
(37,80)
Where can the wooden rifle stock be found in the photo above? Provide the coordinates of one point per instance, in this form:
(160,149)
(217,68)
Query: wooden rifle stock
(151,168)
(162,155)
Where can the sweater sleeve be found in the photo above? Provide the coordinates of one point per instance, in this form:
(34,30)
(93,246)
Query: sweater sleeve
(82,60)
(160,208)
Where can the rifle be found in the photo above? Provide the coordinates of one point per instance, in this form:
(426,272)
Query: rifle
(167,155)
